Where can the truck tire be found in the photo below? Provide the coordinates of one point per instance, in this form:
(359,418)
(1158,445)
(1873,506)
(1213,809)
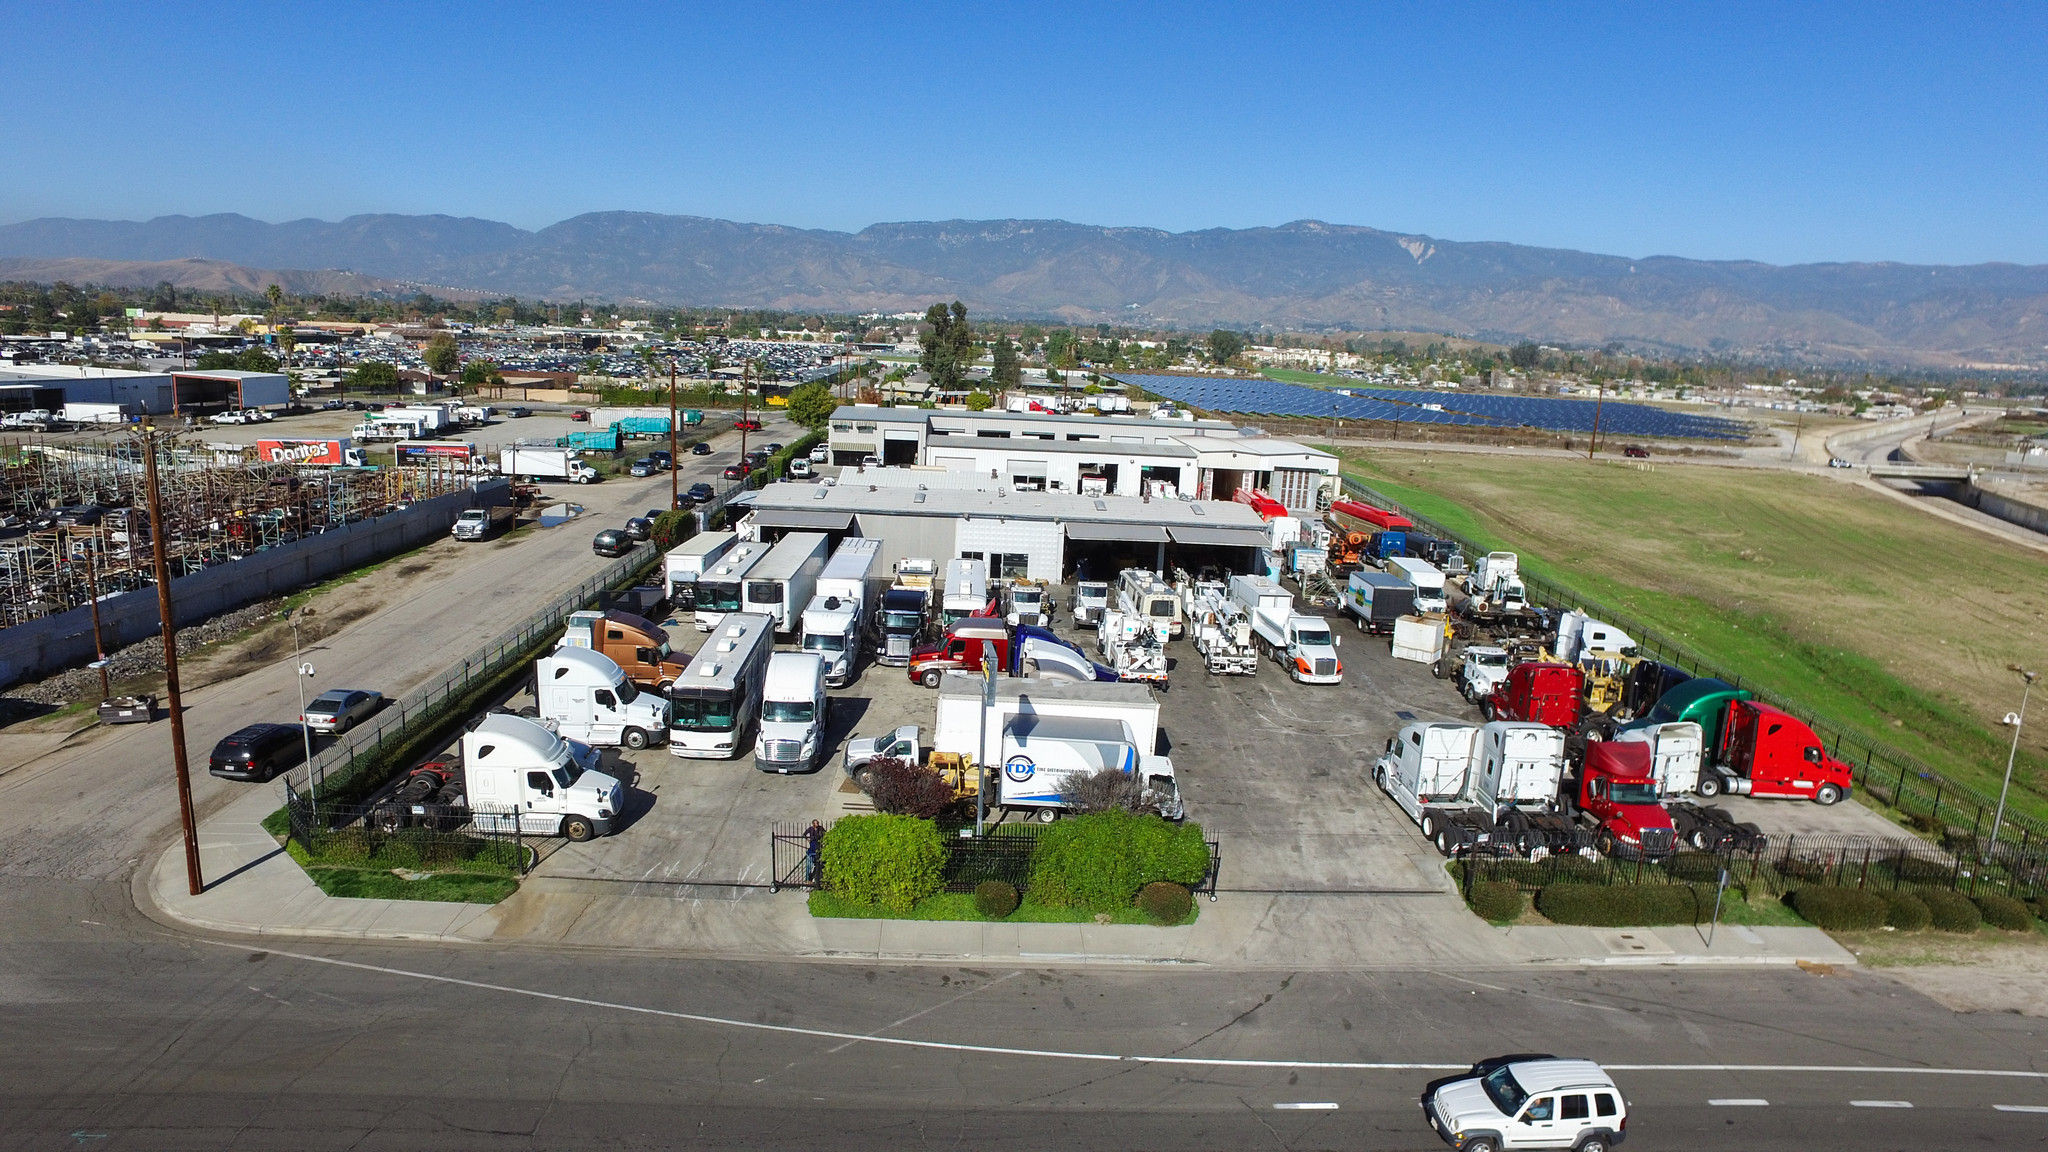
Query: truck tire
(1606,843)
(1486,707)
(1437,669)
(1481,1144)
(1592,1142)
(1709,785)
(1828,794)
(1048,815)
(633,738)
(863,777)
(579,828)
(1444,844)
(931,678)
(1428,824)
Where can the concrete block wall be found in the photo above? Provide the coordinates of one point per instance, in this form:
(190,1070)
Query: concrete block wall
(40,647)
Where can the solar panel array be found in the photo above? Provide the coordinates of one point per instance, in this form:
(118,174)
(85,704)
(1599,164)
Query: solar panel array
(1407,406)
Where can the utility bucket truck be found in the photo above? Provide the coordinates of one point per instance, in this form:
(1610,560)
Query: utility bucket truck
(1221,630)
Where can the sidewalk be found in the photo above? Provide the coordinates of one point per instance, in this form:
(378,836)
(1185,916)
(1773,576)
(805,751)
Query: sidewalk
(253,887)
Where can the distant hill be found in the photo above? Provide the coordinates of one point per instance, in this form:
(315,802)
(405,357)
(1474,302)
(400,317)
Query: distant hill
(195,275)
(1301,275)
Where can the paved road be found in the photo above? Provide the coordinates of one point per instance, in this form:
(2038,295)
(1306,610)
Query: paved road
(91,808)
(123,1035)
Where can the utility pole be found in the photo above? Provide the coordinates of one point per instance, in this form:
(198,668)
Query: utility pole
(1797,427)
(674,464)
(92,597)
(746,367)
(168,618)
(1597,402)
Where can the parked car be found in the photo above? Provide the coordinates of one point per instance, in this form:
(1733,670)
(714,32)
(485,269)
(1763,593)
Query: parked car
(234,416)
(1533,1101)
(701,492)
(821,455)
(662,461)
(339,709)
(772,448)
(518,413)
(257,752)
(356,406)
(581,415)
(642,467)
(1636,452)
(747,425)
(1838,462)
(700,448)
(737,471)
(800,468)
(639,528)
(334,406)
(612,542)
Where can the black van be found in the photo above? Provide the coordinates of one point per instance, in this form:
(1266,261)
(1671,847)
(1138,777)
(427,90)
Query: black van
(258,752)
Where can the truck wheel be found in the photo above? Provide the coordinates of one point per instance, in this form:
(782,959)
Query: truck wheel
(863,777)
(930,679)
(1481,1144)
(389,820)
(1698,839)
(579,828)
(663,687)
(1443,842)
(1828,794)
(1597,1142)
(1428,823)
(1606,843)
(1437,669)
(633,738)
(1048,815)
(1709,785)
(1486,707)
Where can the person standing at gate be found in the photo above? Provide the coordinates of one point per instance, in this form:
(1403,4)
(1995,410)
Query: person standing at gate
(814,852)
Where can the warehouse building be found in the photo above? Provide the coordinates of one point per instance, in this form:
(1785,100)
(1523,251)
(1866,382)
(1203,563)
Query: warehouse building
(181,391)
(1090,455)
(1038,535)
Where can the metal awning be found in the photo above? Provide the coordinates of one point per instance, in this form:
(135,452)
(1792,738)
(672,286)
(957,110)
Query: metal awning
(1130,533)
(1222,537)
(802,518)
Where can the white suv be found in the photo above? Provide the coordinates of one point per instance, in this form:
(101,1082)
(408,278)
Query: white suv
(1527,1102)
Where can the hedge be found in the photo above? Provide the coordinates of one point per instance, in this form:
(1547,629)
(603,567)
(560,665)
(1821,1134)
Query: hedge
(1905,911)
(995,899)
(1497,901)
(890,861)
(2004,912)
(1100,860)
(1952,911)
(773,468)
(1624,906)
(1840,909)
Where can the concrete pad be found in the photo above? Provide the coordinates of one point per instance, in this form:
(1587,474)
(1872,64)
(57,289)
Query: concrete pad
(1733,945)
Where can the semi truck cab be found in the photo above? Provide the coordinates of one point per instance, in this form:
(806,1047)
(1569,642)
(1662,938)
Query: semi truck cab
(1767,751)
(1618,789)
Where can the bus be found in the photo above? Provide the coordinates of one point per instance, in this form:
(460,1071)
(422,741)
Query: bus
(719,588)
(714,704)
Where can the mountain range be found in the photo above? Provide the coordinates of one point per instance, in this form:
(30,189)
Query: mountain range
(1306,275)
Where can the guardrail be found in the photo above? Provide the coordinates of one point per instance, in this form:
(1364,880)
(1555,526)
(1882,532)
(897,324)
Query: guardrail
(1897,779)
(337,772)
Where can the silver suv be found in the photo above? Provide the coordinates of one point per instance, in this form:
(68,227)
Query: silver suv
(1531,1101)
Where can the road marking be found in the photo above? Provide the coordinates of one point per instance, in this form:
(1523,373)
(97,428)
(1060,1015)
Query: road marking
(1100,1057)
(1739,1102)
(2019,1107)
(1308,1106)
(1880,1103)
(924,1011)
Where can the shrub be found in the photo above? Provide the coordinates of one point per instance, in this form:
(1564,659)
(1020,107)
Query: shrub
(1951,911)
(1100,860)
(1165,902)
(1926,822)
(673,527)
(886,860)
(1497,901)
(1840,909)
(1905,911)
(1919,870)
(1106,789)
(1623,906)
(995,899)
(2004,912)
(901,788)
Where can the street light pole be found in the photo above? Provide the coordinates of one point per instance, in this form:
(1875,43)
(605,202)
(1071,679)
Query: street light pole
(168,619)
(2017,720)
(1597,402)
(300,671)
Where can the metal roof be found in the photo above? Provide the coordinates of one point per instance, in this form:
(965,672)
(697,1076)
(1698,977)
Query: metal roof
(1133,533)
(1220,537)
(803,518)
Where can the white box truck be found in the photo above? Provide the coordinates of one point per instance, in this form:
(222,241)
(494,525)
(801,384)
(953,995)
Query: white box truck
(545,464)
(589,698)
(687,562)
(1426,578)
(1051,713)
(785,579)
(794,709)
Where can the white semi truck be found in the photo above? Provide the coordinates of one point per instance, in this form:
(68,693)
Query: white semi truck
(513,772)
(1496,784)
(794,709)
(589,698)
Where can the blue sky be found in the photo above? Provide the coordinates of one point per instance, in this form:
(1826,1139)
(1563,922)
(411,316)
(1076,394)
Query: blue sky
(1776,132)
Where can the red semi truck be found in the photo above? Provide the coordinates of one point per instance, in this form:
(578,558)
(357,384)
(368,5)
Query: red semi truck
(1547,693)
(1618,792)
(1758,750)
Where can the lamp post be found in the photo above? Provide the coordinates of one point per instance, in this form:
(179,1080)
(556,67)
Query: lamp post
(2016,719)
(301,672)
(1597,402)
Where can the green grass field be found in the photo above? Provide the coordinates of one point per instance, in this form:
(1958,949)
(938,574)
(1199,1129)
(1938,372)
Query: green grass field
(1312,379)
(1894,623)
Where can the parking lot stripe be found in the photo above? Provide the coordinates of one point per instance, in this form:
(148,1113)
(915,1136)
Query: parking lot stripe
(1308,1105)
(1739,1102)
(2020,1108)
(1105,1057)
(1880,1103)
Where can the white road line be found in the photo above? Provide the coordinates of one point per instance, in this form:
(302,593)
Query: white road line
(1103,1057)
(925,1011)
(1880,1103)
(2020,1108)
(1739,1102)
(1308,1106)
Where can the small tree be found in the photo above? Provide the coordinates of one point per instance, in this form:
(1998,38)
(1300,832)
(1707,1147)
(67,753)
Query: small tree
(811,405)
(1009,368)
(373,376)
(949,348)
(1104,790)
(673,527)
(980,401)
(901,788)
(478,372)
(1524,355)
(441,355)
(891,861)
(1225,346)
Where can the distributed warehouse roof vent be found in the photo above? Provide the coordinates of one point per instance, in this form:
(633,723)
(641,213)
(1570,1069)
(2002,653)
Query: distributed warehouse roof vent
(1101,507)
(1198,510)
(918,498)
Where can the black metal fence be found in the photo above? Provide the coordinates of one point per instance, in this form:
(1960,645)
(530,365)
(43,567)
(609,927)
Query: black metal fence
(1784,863)
(415,838)
(1004,854)
(1900,781)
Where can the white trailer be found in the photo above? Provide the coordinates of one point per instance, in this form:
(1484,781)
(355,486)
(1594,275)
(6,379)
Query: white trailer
(850,574)
(84,412)
(786,578)
(546,464)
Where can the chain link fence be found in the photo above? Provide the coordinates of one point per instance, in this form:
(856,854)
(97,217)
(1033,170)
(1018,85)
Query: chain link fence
(1911,786)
